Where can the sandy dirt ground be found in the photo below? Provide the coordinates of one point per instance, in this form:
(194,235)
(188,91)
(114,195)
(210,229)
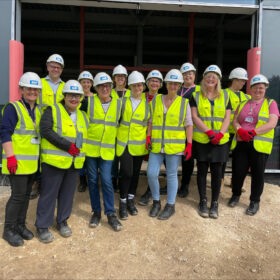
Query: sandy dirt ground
(235,246)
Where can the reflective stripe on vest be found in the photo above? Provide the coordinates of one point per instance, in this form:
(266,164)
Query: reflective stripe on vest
(133,127)
(26,153)
(263,143)
(212,116)
(235,101)
(47,97)
(168,130)
(102,128)
(64,127)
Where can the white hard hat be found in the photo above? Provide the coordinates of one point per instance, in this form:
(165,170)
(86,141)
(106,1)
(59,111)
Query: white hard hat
(154,74)
(238,73)
(85,75)
(119,70)
(102,78)
(135,77)
(73,86)
(187,67)
(56,58)
(259,79)
(174,75)
(213,68)
(31,80)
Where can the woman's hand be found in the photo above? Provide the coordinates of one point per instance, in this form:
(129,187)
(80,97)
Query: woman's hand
(12,164)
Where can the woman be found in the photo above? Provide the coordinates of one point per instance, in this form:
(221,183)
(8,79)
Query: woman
(20,141)
(188,71)
(63,130)
(211,116)
(238,77)
(104,114)
(254,122)
(86,80)
(131,139)
(119,91)
(154,83)
(168,127)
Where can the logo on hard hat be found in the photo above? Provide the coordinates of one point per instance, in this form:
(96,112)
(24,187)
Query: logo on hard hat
(212,68)
(256,79)
(186,67)
(155,74)
(74,88)
(86,75)
(174,77)
(58,59)
(33,82)
(104,78)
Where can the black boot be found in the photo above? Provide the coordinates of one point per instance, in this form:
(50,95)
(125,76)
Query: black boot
(83,183)
(167,212)
(24,232)
(146,197)
(123,210)
(184,191)
(202,208)
(233,201)
(114,222)
(95,219)
(253,208)
(213,212)
(155,208)
(132,210)
(11,235)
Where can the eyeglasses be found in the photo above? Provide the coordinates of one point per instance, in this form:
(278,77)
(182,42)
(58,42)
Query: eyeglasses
(73,96)
(104,86)
(55,67)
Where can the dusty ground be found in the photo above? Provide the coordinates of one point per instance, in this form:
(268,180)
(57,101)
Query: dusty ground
(187,246)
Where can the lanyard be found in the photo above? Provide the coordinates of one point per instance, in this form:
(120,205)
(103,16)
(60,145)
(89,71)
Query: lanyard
(186,91)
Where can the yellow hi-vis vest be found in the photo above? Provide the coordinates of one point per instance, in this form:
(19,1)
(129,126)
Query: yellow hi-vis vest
(235,101)
(64,127)
(102,128)
(262,143)
(168,129)
(132,131)
(47,97)
(212,116)
(114,94)
(25,141)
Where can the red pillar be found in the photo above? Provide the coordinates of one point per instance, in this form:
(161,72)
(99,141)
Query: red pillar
(82,37)
(191,38)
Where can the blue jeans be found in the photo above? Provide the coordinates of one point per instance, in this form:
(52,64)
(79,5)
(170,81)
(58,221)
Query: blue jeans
(172,164)
(105,166)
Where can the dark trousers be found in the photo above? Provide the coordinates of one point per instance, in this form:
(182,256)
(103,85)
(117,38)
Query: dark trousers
(225,163)
(57,184)
(130,169)
(187,171)
(17,205)
(216,176)
(246,156)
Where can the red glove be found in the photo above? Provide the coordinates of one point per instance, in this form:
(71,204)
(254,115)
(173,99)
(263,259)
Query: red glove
(188,151)
(217,138)
(244,134)
(73,151)
(211,134)
(12,164)
(148,143)
(252,132)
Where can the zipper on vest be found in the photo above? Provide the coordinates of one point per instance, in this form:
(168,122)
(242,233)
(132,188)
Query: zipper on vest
(212,114)
(163,129)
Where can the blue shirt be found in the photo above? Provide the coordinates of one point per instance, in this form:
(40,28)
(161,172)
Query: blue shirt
(54,86)
(187,92)
(10,119)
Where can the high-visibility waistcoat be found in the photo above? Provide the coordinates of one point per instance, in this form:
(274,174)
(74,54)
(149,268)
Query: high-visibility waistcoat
(102,128)
(114,94)
(235,101)
(132,131)
(64,127)
(212,116)
(47,96)
(263,142)
(25,141)
(168,129)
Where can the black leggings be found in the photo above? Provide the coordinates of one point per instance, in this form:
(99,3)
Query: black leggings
(17,205)
(130,170)
(187,171)
(246,156)
(216,175)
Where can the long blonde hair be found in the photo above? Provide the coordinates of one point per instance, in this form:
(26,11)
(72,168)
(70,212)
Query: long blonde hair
(218,86)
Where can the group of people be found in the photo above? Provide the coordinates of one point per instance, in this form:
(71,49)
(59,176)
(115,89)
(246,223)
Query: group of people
(64,130)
